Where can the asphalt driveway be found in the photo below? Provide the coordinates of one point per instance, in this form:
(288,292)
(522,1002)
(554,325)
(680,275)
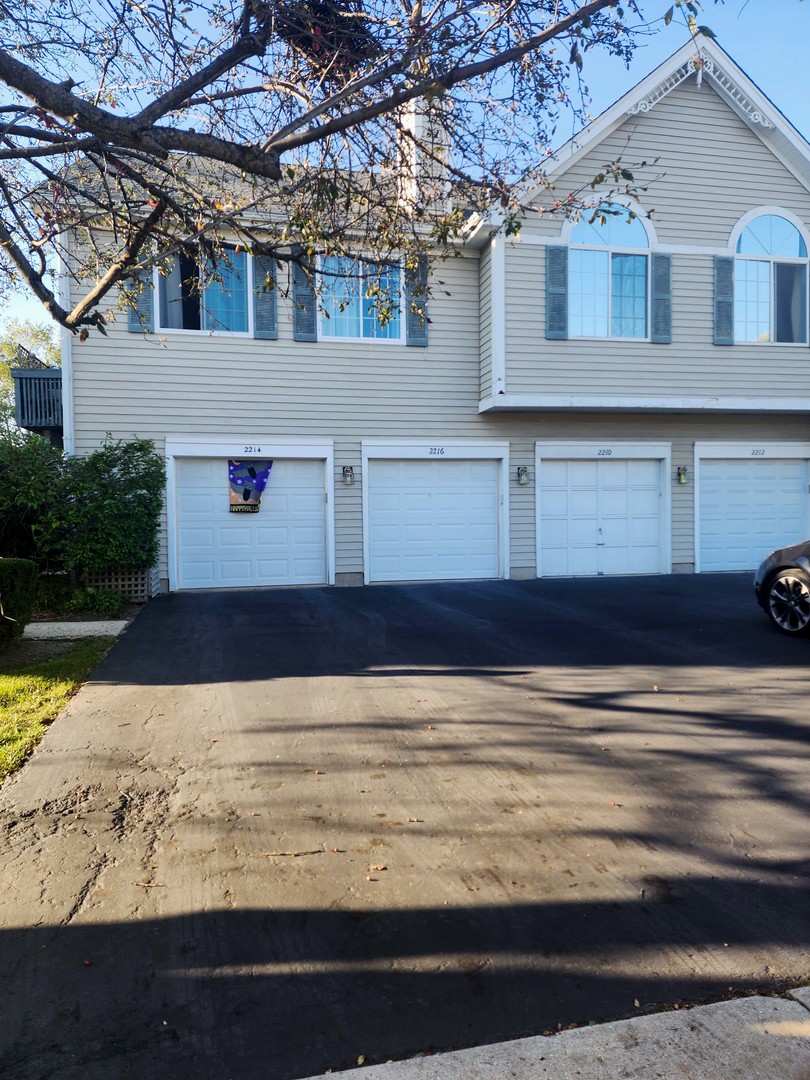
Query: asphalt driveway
(283,830)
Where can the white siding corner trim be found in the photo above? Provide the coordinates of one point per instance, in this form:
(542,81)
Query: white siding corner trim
(564,459)
(248,444)
(427,459)
(498,308)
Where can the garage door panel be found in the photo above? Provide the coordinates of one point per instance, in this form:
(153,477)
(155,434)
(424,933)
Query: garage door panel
(600,517)
(192,502)
(433,520)
(283,544)
(749,507)
(583,532)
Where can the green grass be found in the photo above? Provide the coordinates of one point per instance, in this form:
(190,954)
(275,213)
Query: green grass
(31,695)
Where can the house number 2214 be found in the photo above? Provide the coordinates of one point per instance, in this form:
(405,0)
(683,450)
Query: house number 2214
(251,450)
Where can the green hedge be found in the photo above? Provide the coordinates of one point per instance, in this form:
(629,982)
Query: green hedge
(81,514)
(18,590)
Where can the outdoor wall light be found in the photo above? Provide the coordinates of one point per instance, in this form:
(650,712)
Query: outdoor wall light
(523,475)
(348,475)
(683,474)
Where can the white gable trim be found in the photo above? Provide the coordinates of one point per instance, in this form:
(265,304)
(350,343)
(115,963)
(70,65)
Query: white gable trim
(730,80)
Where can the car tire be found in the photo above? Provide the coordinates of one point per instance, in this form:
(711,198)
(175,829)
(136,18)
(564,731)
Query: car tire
(788,602)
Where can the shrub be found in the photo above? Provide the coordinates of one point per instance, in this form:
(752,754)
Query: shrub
(18,586)
(84,514)
(31,490)
(98,601)
(57,595)
(54,593)
(111,517)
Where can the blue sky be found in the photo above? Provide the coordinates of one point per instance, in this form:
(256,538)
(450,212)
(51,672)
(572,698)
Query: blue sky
(769,39)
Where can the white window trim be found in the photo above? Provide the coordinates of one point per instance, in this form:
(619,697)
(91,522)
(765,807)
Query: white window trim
(401,340)
(620,450)
(454,450)
(172,330)
(233,446)
(744,451)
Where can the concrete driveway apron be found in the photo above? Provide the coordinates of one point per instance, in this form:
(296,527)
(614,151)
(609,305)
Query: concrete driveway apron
(279,831)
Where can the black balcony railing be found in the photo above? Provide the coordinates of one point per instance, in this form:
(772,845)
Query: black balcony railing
(37,394)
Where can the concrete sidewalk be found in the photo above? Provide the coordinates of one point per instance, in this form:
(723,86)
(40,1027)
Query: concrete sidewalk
(39,631)
(755,1038)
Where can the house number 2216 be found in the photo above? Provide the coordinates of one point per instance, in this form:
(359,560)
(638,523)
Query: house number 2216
(436,451)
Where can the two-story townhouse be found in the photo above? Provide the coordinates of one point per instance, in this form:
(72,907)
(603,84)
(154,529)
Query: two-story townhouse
(614,395)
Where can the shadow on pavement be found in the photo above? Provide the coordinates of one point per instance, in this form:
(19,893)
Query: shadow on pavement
(274,995)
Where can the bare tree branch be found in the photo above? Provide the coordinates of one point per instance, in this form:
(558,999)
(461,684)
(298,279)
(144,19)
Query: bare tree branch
(325,126)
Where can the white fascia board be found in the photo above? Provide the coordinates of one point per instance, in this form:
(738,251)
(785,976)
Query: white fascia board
(605,402)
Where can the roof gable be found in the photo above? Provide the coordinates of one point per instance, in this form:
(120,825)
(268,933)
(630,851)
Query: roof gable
(701,60)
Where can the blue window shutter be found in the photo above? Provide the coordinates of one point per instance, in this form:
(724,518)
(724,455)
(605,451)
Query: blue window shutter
(416,308)
(141,318)
(661,330)
(723,300)
(556,293)
(265,302)
(305,305)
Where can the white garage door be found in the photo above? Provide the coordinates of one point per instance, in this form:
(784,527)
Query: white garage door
(599,517)
(433,520)
(748,508)
(283,544)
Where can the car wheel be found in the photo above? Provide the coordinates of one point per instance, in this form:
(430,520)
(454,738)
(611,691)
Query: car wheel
(789,602)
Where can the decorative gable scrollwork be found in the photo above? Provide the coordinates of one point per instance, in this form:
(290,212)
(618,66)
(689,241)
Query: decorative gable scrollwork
(699,67)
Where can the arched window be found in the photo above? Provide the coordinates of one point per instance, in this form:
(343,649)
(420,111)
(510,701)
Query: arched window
(607,277)
(770,282)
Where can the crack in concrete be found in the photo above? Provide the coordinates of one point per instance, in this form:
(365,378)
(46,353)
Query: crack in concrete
(84,892)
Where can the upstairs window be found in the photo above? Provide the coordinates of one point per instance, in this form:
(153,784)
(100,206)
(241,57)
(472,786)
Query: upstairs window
(207,297)
(770,282)
(607,278)
(360,300)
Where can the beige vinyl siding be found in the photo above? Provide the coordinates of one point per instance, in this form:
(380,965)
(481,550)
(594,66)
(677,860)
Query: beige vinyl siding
(705,168)
(485,307)
(200,385)
(711,170)
(207,385)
